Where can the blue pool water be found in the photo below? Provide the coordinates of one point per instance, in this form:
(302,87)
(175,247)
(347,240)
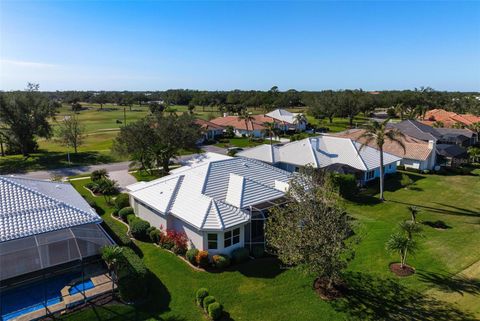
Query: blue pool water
(25,299)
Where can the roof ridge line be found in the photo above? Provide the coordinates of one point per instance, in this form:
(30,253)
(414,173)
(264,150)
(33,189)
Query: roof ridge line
(358,153)
(33,179)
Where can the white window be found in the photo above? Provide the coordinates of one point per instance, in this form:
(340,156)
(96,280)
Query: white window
(212,241)
(370,175)
(231,237)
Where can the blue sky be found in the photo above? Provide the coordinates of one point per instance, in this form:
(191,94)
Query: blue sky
(156,45)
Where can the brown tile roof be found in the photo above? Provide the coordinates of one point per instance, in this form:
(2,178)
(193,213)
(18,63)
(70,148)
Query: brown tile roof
(414,148)
(237,123)
(205,124)
(449,118)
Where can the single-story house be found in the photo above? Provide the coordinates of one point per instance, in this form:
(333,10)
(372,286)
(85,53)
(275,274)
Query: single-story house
(287,120)
(254,128)
(418,154)
(210,130)
(44,225)
(219,202)
(329,152)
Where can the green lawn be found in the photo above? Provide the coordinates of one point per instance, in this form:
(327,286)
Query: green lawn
(338,124)
(262,290)
(243,142)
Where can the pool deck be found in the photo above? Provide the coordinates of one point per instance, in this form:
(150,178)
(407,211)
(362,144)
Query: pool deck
(103,284)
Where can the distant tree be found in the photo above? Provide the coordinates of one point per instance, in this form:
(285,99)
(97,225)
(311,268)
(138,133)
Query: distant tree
(300,119)
(474,153)
(247,118)
(324,104)
(311,230)
(191,108)
(24,115)
(377,133)
(71,132)
(475,127)
(156,107)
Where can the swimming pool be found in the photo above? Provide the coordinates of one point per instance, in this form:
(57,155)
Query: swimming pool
(29,298)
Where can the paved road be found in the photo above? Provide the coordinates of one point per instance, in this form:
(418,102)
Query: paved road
(117,171)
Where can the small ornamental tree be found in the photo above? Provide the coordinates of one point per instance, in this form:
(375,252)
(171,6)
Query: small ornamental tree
(311,230)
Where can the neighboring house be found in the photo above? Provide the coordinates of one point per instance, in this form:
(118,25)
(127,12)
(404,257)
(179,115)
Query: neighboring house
(448,118)
(451,155)
(244,129)
(44,225)
(418,154)
(210,130)
(332,153)
(462,138)
(287,120)
(219,202)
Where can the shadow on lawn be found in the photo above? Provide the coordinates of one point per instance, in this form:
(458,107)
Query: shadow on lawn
(268,268)
(448,282)
(371,298)
(447,209)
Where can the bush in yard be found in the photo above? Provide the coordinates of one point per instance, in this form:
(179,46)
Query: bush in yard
(207,301)
(240,255)
(124,212)
(405,180)
(191,256)
(179,241)
(200,295)
(179,250)
(215,310)
(115,213)
(221,261)
(347,185)
(138,228)
(202,259)
(131,218)
(258,251)
(154,235)
(132,278)
(122,201)
(99,174)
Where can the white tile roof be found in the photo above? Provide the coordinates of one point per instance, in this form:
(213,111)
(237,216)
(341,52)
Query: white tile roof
(213,194)
(321,151)
(26,208)
(283,115)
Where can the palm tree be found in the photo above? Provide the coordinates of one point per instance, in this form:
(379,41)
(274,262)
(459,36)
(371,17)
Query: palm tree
(113,257)
(410,228)
(378,133)
(475,127)
(474,153)
(247,118)
(270,130)
(400,109)
(413,211)
(402,245)
(299,119)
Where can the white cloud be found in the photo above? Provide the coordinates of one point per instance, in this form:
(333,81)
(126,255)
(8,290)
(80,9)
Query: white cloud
(27,64)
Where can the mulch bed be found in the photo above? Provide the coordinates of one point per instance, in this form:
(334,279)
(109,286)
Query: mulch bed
(401,271)
(338,290)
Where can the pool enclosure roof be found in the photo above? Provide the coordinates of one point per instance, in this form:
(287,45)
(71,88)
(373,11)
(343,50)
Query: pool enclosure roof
(42,251)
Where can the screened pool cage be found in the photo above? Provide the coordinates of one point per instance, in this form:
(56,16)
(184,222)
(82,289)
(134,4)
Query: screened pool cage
(43,251)
(36,270)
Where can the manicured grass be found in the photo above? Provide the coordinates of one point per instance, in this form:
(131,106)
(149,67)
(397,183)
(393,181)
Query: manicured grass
(244,142)
(262,290)
(338,124)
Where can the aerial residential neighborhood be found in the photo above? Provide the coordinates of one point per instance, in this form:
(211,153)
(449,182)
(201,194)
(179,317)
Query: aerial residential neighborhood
(267,160)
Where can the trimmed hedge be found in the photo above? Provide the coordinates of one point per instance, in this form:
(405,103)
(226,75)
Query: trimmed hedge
(124,212)
(154,235)
(191,256)
(122,201)
(132,281)
(201,294)
(202,259)
(240,255)
(221,261)
(215,310)
(207,301)
(138,228)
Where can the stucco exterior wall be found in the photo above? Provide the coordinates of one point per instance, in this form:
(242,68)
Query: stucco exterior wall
(155,218)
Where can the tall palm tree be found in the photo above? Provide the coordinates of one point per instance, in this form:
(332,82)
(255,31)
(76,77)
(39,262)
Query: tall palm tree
(247,118)
(299,119)
(270,130)
(378,133)
(113,257)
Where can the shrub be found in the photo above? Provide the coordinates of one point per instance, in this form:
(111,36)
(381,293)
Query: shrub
(240,255)
(347,185)
(200,295)
(207,301)
(405,180)
(124,212)
(202,258)
(258,251)
(99,174)
(122,201)
(179,250)
(131,218)
(177,241)
(154,235)
(115,213)
(138,228)
(221,261)
(132,279)
(191,256)
(215,310)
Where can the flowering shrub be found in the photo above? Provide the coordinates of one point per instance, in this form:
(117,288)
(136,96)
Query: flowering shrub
(173,240)
(202,259)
